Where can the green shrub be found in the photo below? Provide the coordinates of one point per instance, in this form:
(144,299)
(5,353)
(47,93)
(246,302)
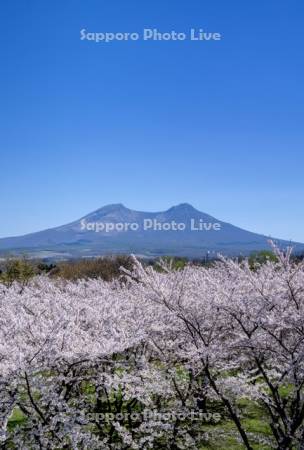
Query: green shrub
(259,258)
(19,270)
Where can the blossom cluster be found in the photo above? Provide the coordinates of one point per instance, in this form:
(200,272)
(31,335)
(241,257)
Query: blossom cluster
(198,339)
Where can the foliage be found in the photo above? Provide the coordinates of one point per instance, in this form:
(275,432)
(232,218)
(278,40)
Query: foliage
(22,270)
(261,257)
(19,270)
(107,268)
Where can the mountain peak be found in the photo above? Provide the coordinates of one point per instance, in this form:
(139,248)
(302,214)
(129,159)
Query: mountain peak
(182,207)
(112,207)
(115,205)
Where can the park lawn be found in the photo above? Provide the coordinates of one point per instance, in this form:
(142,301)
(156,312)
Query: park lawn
(254,422)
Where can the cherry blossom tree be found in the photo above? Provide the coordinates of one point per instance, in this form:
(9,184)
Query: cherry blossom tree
(94,364)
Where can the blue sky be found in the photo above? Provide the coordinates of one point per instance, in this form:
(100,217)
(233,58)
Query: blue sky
(152,124)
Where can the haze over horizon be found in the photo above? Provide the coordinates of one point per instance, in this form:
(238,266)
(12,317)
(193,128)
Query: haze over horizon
(218,125)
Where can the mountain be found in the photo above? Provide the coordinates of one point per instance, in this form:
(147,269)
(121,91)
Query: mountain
(180,231)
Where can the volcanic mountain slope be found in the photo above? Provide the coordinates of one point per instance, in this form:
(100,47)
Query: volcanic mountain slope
(115,229)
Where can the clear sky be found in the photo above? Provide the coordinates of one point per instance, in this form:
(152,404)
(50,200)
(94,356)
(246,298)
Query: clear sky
(152,124)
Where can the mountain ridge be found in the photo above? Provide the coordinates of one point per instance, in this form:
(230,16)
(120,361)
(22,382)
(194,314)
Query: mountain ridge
(181,230)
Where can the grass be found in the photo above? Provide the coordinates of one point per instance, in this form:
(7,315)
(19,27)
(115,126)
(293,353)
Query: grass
(17,418)
(224,433)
